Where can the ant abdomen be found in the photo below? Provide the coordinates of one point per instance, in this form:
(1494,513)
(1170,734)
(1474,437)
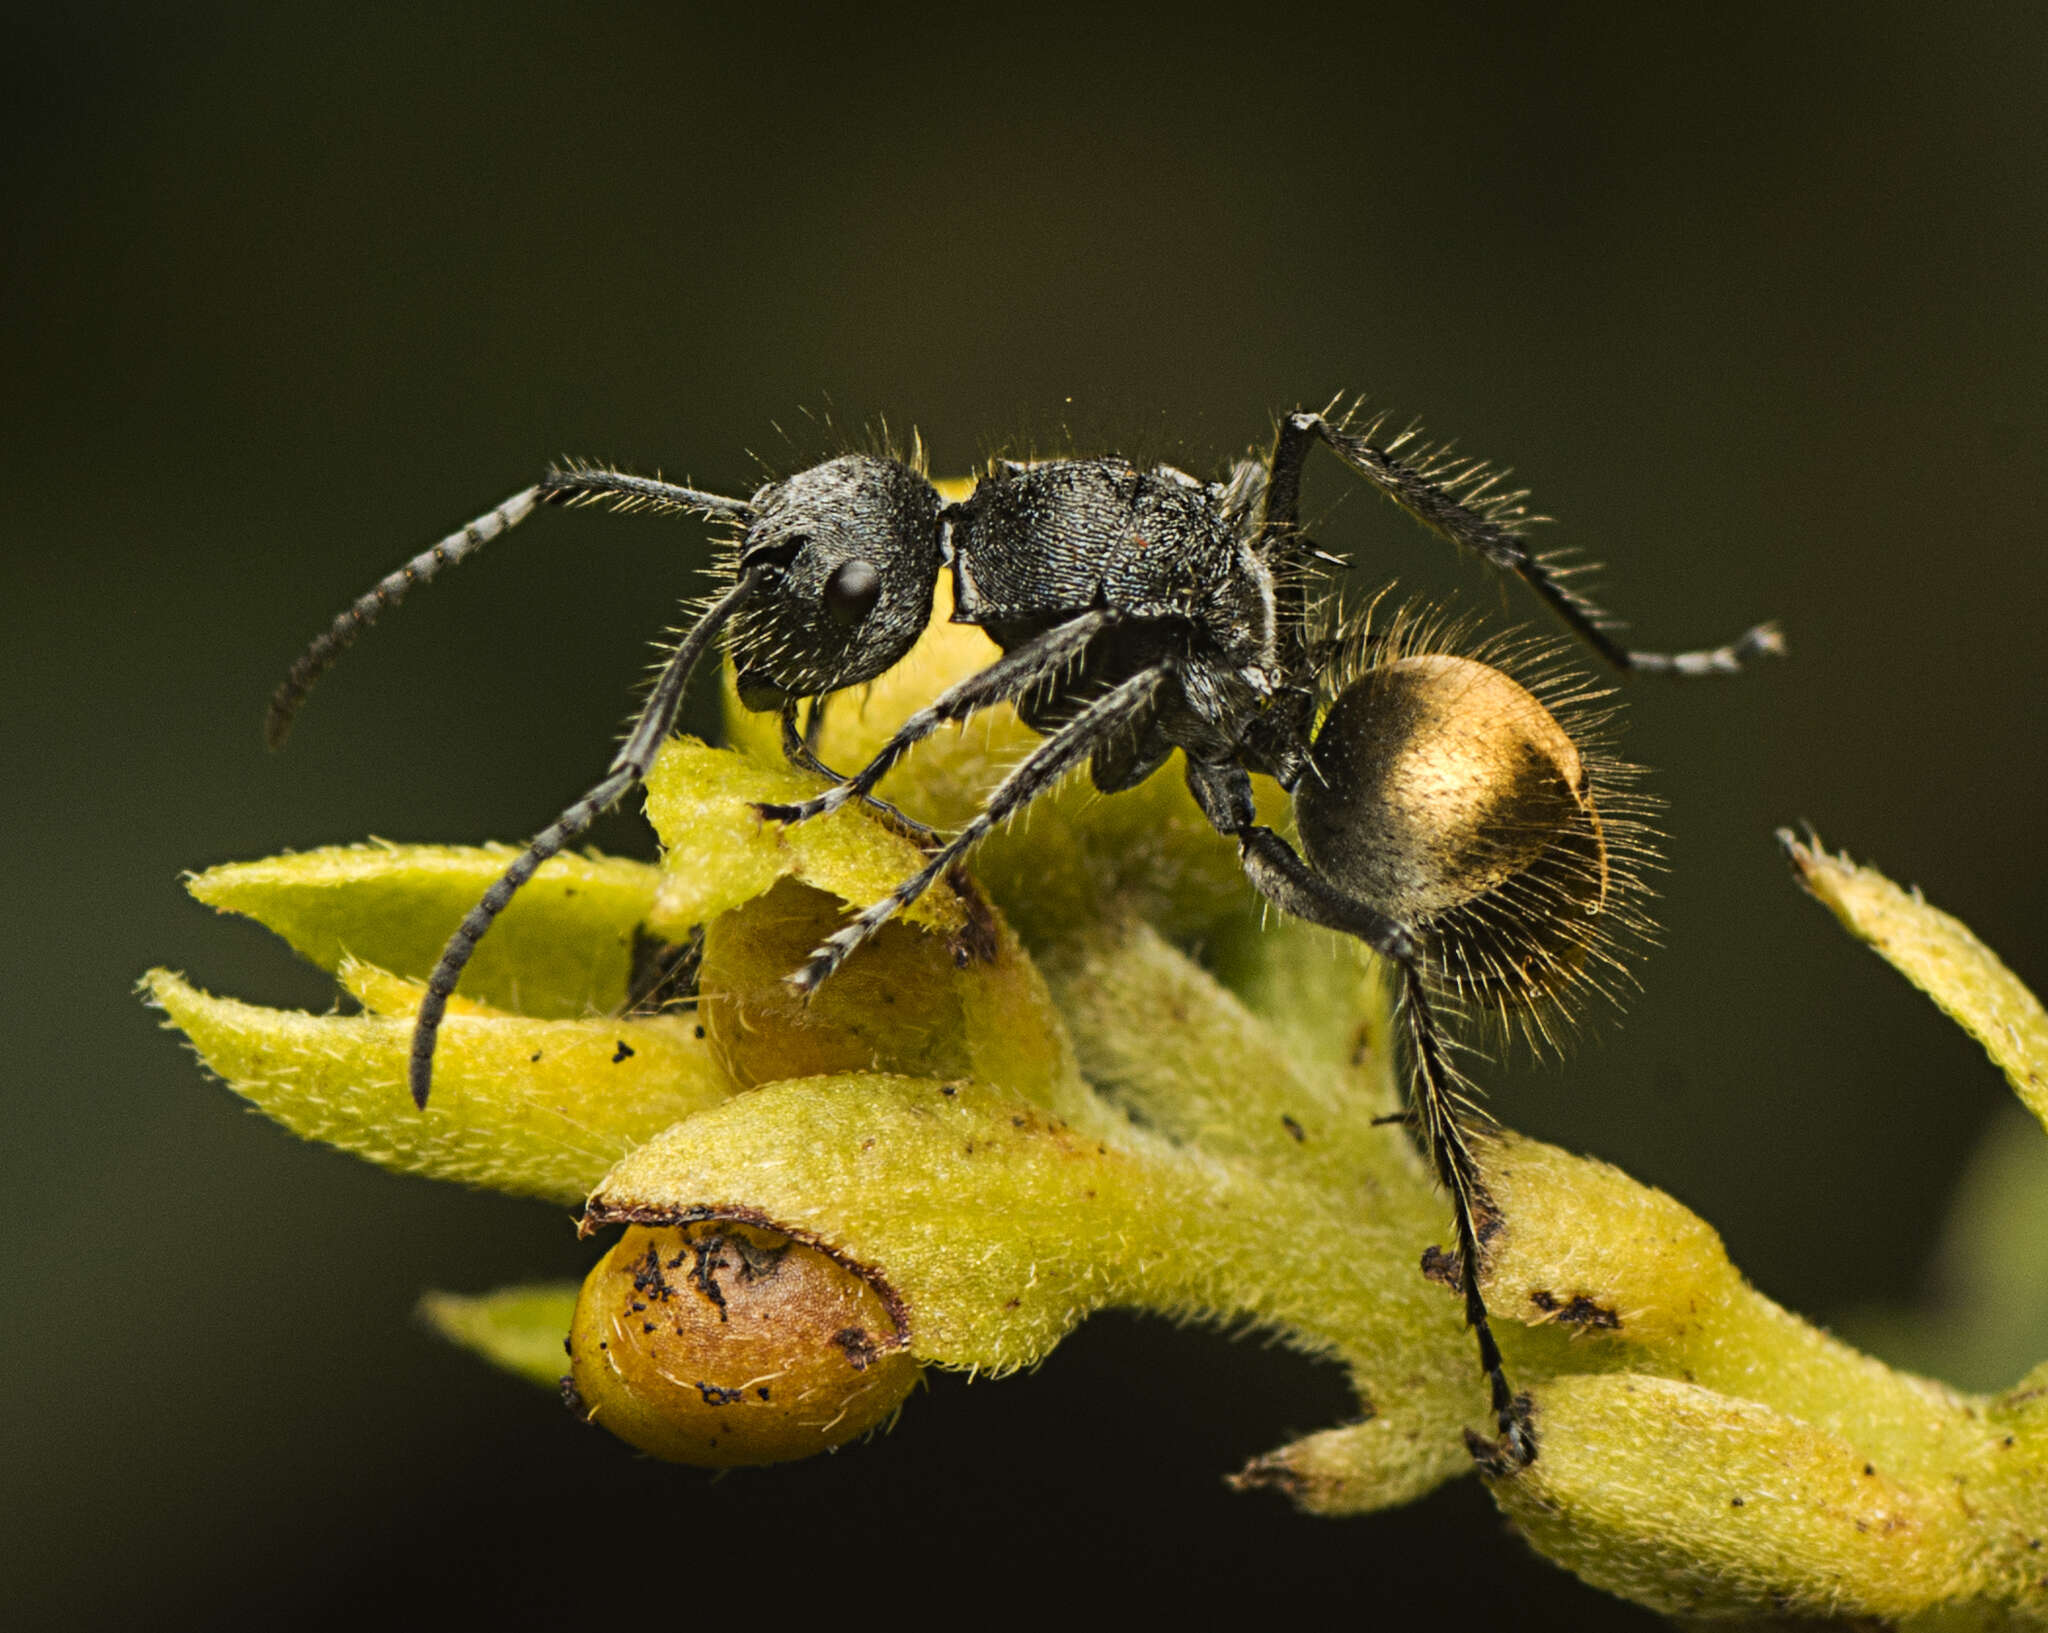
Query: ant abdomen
(1445,794)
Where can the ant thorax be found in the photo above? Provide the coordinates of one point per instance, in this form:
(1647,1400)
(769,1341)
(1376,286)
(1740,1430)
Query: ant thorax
(1164,558)
(1037,543)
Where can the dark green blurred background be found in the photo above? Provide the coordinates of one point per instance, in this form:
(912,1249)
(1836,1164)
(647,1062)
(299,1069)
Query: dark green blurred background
(1753,303)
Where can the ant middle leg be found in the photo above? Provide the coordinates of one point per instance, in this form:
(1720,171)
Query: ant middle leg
(1115,712)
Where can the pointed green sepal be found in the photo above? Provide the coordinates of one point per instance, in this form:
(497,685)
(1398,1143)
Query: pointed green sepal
(531,1107)
(1939,955)
(564,946)
(523,1330)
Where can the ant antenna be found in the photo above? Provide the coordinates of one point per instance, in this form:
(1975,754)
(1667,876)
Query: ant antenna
(388,591)
(575,485)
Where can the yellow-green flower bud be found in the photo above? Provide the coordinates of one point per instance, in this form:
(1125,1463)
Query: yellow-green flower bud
(721,1344)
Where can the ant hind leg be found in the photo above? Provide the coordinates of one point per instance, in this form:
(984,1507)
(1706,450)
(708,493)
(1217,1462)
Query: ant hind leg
(1442,1103)
(1461,499)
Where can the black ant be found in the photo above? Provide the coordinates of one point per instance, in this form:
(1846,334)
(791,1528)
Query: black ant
(1449,820)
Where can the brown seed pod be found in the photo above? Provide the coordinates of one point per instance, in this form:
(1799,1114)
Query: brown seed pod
(1497,822)
(719,1344)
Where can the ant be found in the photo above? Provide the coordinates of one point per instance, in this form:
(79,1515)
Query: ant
(1447,818)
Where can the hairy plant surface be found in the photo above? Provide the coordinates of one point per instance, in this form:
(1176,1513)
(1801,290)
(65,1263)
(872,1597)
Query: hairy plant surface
(1092,1076)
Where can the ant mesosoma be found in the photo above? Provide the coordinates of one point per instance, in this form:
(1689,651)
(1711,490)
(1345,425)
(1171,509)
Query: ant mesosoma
(1448,819)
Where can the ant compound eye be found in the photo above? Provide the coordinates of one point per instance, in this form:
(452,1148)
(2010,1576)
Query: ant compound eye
(852,591)
(1447,796)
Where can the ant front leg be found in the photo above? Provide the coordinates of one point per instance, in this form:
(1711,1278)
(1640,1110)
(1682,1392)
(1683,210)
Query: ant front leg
(1003,681)
(1441,1099)
(1460,499)
(799,748)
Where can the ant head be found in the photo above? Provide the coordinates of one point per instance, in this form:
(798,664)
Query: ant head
(1447,796)
(851,553)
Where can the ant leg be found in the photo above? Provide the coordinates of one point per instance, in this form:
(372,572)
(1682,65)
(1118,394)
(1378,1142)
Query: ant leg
(799,749)
(1113,712)
(1009,677)
(1224,793)
(1456,498)
(582,485)
(628,769)
(1440,1097)
(1441,1094)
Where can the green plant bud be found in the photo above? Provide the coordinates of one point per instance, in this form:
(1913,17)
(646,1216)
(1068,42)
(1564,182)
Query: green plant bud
(720,1344)
(1089,1075)
(895,1007)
